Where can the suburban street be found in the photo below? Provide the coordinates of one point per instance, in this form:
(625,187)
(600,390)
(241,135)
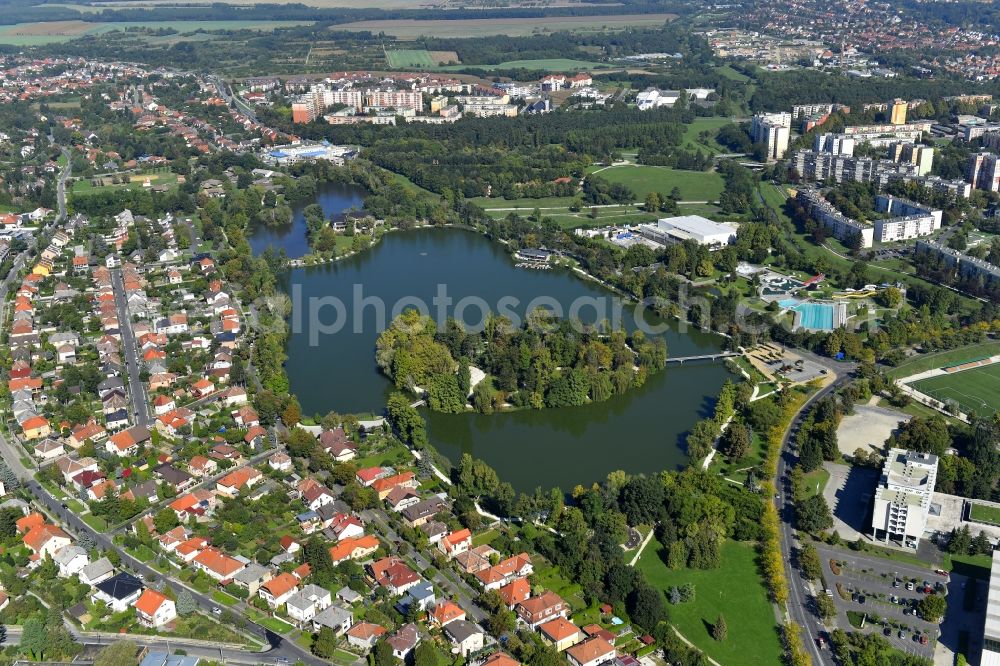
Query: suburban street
(457,588)
(136,389)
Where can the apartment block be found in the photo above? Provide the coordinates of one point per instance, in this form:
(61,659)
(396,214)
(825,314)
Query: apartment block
(913,153)
(835,144)
(903,497)
(983,172)
(772,130)
(841,227)
(906,219)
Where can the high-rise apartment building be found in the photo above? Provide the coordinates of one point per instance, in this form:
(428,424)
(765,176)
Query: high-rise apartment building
(772,130)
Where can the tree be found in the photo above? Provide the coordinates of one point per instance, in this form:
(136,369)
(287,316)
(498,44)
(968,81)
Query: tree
(34,638)
(325,645)
(652,203)
(292,413)
(119,653)
(960,541)
(645,606)
(185,603)
(719,629)
(932,607)
(165,520)
(810,563)
(736,441)
(825,606)
(425,654)
(813,514)
(381,655)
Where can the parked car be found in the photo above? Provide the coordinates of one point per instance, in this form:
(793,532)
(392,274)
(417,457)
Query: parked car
(910,585)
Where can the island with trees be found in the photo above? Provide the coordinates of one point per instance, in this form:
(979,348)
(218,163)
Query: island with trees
(546,362)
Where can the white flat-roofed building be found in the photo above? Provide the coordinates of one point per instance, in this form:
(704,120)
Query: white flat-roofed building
(991,626)
(651,98)
(773,130)
(689,227)
(903,497)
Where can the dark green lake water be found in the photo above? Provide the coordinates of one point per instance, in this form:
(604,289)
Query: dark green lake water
(641,431)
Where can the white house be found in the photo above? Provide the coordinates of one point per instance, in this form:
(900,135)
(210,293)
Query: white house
(304,605)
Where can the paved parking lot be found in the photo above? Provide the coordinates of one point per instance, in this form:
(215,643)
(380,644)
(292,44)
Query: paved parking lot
(871,579)
(849,493)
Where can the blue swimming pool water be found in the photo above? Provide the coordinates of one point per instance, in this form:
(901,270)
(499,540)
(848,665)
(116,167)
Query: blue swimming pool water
(817,316)
(788,303)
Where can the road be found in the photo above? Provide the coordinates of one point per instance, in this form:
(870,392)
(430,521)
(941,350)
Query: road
(205,649)
(61,186)
(457,588)
(136,388)
(801,609)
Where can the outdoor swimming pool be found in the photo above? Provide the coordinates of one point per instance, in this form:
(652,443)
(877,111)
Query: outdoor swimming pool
(815,316)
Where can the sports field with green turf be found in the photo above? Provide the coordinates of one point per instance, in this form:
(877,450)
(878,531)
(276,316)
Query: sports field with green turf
(693,185)
(409,59)
(976,390)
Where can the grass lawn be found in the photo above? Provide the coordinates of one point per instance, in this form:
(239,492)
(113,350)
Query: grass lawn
(976,566)
(975,390)
(75,506)
(549,577)
(272,623)
(711,125)
(95,522)
(142,553)
(489,203)
(484,537)
(735,590)
(224,599)
(693,185)
(815,481)
(985,514)
(86,186)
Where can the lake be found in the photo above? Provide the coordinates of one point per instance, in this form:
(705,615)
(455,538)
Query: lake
(333,197)
(641,431)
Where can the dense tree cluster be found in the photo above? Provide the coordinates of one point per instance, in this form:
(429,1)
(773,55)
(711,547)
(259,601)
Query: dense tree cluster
(544,363)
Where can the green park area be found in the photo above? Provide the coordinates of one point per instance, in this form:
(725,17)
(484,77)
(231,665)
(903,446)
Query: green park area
(985,513)
(710,124)
(975,390)
(734,589)
(158,177)
(693,185)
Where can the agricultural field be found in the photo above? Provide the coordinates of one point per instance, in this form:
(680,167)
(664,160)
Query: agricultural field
(514,27)
(694,185)
(419,58)
(739,594)
(34,34)
(975,390)
(550,65)
(985,513)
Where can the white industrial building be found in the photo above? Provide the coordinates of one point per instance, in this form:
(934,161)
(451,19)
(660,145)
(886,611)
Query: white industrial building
(903,497)
(991,627)
(651,98)
(689,227)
